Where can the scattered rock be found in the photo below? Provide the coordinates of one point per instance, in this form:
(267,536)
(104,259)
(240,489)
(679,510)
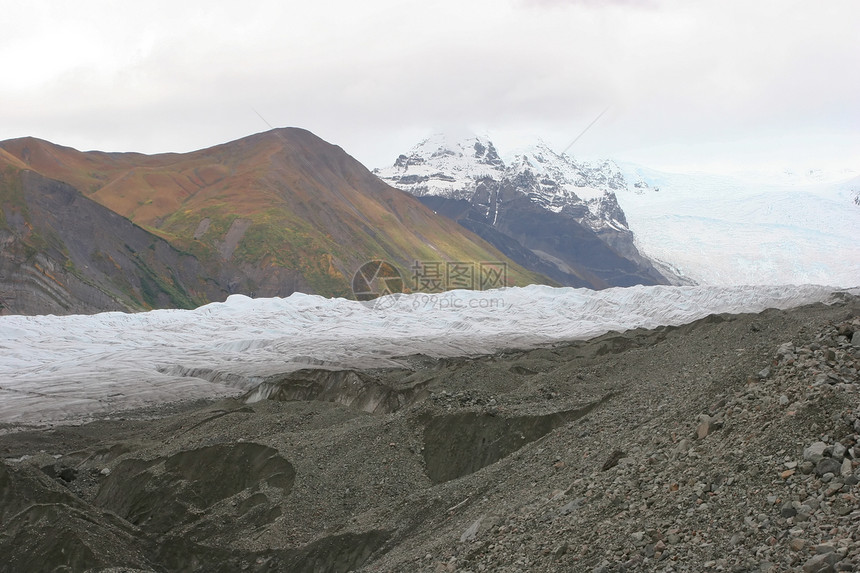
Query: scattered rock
(612,460)
(827,466)
(821,564)
(472,531)
(814,452)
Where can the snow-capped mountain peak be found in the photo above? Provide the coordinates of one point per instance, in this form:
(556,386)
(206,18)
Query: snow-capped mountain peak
(453,166)
(445,165)
(469,148)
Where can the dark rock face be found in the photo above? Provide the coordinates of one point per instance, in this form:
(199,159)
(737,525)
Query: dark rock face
(553,244)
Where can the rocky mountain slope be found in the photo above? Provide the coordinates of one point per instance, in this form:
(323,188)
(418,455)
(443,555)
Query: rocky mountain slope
(266,215)
(547,211)
(727,444)
(63,253)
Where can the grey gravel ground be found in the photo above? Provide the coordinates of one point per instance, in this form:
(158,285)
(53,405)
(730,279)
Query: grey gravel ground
(730,444)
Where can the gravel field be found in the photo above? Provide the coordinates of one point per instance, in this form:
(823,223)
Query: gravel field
(727,444)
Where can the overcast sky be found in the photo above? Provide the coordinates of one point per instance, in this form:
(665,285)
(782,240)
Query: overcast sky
(688,84)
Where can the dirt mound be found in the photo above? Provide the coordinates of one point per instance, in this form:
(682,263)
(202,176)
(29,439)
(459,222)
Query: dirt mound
(459,444)
(330,554)
(379,394)
(46,528)
(165,493)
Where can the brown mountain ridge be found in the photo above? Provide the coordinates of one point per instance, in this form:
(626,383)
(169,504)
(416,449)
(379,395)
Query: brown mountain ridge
(266,215)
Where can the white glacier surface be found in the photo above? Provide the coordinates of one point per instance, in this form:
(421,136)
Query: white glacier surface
(56,369)
(729,230)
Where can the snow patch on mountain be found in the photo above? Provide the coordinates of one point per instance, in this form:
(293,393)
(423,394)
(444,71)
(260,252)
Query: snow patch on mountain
(851,189)
(558,183)
(802,176)
(445,166)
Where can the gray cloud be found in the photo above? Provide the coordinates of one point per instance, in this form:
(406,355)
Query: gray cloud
(680,78)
